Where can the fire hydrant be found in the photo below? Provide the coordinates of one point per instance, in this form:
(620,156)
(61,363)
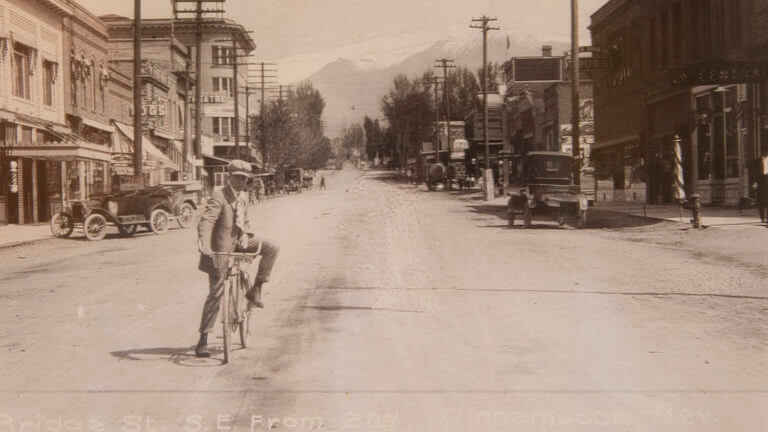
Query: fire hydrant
(696,209)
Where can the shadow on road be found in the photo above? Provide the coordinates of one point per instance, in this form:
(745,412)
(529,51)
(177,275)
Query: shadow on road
(596,219)
(184,356)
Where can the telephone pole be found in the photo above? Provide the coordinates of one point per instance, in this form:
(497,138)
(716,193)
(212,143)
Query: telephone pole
(444,63)
(576,105)
(182,10)
(137,85)
(487,172)
(263,77)
(236,125)
(436,82)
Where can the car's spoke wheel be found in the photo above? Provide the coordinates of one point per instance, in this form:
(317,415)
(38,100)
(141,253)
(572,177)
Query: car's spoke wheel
(95,227)
(527,215)
(62,225)
(186,215)
(560,218)
(158,221)
(581,222)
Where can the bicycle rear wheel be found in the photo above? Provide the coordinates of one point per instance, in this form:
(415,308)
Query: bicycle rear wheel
(225,319)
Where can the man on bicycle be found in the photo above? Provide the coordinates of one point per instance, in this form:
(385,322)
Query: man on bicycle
(224,227)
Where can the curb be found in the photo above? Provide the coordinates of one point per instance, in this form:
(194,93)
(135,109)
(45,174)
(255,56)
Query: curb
(21,243)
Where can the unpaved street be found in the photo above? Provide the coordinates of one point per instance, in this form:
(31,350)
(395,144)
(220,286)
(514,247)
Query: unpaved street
(393,308)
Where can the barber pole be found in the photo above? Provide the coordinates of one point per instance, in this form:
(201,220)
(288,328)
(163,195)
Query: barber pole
(679,183)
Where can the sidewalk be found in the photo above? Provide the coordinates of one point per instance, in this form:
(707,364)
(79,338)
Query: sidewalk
(15,235)
(710,215)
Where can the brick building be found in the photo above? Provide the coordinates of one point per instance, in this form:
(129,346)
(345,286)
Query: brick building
(665,82)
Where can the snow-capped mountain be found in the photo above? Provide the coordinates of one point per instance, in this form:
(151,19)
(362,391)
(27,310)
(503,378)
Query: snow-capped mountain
(354,83)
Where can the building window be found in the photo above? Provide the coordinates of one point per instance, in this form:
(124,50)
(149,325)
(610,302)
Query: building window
(220,179)
(222,55)
(21,71)
(736,22)
(49,83)
(653,42)
(222,126)
(664,41)
(222,84)
(677,31)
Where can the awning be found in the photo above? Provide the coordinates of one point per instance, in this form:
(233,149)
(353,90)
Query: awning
(147,146)
(160,134)
(217,160)
(96,125)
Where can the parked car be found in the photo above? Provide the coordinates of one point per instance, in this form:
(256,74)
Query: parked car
(547,188)
(151,207)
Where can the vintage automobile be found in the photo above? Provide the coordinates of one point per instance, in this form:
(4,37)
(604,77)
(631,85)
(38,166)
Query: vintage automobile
(152,207)
(547,188)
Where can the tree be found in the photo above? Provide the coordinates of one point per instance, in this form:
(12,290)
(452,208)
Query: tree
(374,143)
(409,111)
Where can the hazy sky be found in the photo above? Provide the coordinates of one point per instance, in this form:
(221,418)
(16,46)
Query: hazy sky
(283,28)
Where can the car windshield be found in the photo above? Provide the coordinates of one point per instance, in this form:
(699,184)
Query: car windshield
(548,166)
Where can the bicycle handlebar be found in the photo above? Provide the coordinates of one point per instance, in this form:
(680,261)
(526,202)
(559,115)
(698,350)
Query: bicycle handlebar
(235,254)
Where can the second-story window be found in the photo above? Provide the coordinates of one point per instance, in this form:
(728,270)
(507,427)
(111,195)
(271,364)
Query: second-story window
(222,126)
(222,84)
(49,83)
(222,55)
(677,30)
(21,71)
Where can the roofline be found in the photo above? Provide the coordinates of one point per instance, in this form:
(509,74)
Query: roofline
(605,10)
(161,23)
(58,6)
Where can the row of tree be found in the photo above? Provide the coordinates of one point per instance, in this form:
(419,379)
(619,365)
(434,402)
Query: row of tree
(409,111)
(293,129)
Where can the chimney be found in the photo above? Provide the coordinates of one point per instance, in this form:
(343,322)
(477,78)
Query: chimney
(546,51)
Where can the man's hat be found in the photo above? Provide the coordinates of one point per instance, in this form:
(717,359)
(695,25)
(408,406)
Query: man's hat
(239,167)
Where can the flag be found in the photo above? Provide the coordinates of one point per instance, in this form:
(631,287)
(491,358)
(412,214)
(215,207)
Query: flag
(508,43)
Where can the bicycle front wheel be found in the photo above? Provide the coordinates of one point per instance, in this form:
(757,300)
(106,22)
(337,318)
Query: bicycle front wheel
(244,330)
(225,318)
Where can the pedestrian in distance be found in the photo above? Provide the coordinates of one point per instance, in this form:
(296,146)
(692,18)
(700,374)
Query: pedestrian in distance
(760,168)
(224,227)
(322,182)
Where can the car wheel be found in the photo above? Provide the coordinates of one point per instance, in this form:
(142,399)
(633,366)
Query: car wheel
(527,215)
(95,227)
(158,221)
(62,225)
(128,230)
(581,222)
(560,218)
(186,215)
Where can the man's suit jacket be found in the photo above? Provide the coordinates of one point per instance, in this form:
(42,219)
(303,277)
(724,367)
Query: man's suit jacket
(217,229)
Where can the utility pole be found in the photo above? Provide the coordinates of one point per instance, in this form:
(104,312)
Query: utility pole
(447,100)
(487,172)
(187,73)
(236,125)
(137,85)
(262,113)
(182,10)
(436,82)
(575,103)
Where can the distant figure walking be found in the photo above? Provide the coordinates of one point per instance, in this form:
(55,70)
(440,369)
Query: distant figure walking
(322,182)
(761,183)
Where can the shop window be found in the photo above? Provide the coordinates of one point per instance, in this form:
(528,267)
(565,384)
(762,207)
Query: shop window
(21,71)
(26,135)
(99,178)
(73,179)
(731,134)
(664,41)
(653,42)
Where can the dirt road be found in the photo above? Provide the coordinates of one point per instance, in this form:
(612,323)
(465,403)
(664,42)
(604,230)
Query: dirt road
(392,308)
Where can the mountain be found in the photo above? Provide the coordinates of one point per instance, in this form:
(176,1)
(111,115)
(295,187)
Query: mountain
(353,86)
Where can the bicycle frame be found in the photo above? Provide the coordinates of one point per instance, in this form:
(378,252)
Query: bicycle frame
(233,296)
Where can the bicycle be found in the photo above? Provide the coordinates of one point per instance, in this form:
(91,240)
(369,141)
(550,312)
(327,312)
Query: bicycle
(235,314)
